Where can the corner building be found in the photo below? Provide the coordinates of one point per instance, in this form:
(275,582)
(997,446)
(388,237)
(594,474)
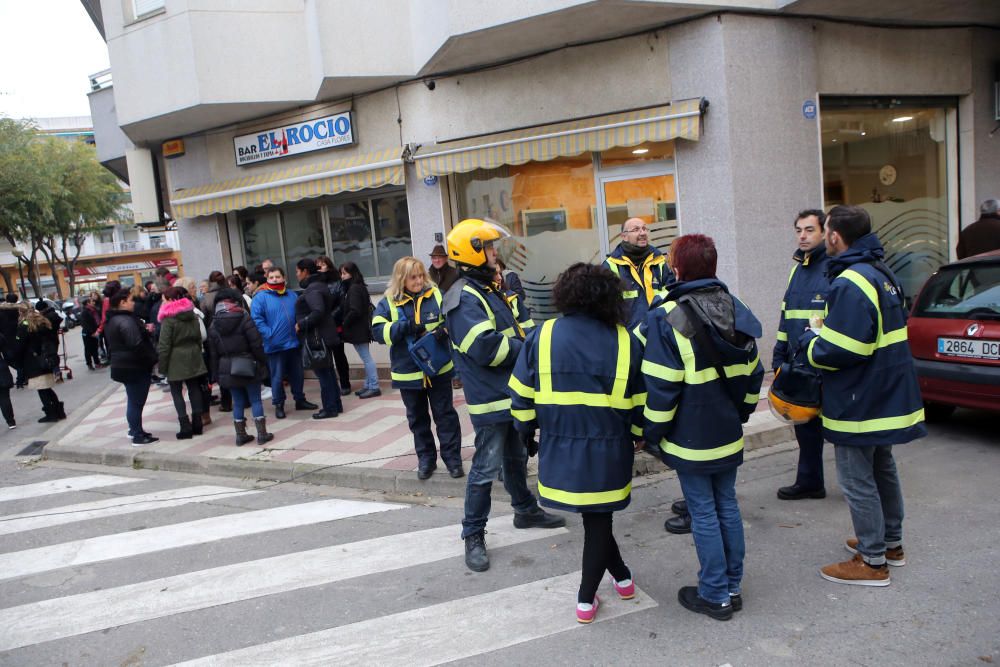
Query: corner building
(365,130)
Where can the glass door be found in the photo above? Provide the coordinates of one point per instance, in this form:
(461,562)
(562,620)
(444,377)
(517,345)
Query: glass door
(644,191)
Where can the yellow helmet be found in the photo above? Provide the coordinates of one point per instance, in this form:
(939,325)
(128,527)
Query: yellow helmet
(794,398)
(468,240)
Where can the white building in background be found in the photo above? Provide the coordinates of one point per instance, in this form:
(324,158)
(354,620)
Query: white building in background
(364,130)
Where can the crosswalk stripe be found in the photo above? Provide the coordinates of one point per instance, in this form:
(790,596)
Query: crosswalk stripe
(73,615)
(99,509)
(439,633)
(149,540)
(52,486)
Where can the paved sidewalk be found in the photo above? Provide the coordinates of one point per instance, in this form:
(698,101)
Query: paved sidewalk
(369,446)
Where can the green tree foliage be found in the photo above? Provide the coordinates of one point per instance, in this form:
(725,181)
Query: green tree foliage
(53,194)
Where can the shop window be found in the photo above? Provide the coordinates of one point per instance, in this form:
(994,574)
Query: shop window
(894,163)
(261,240)
(351,235)
(302,229)
(392,231)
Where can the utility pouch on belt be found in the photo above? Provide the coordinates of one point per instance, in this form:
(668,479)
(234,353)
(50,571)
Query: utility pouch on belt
(429,353)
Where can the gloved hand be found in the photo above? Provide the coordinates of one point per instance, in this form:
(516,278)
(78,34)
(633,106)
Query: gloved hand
(529,443)
(441,334)
(414,329)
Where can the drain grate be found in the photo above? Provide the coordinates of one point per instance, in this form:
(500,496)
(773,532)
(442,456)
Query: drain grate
(34,449)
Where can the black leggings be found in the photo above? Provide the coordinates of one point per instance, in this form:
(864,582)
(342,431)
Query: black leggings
(600,555)
(343,369)
(194,395)
(90,347)
(5,406)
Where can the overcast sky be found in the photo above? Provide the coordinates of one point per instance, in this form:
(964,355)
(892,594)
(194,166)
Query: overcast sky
(48,50)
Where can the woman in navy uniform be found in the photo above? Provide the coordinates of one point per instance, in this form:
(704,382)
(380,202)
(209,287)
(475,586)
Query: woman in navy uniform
(586,400)
(410,309)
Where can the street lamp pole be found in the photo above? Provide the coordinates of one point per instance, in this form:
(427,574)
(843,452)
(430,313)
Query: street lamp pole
(19,254)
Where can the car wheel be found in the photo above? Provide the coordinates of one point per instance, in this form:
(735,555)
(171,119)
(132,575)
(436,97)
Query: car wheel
(936,412)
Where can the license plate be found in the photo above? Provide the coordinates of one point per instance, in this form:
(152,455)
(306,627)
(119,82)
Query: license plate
(966,347)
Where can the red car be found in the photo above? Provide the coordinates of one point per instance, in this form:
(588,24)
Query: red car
(954,333)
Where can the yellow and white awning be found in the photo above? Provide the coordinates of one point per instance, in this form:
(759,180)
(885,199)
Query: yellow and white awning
(371,170)
(678,120)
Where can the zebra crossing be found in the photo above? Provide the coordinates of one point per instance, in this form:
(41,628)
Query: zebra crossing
(220,576)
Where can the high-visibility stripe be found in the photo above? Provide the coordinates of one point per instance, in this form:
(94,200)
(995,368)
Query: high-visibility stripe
(638,334)
(474,332)
(751,399)
(585,498)
(702,454)
(812,362)
(520,388)
(503,349)
(663,372)
(489,311)
(802,314)
(845,342)
(546,395)
(636,430)
(523,415)
(622,364)
(528,324)
(407,377)
(782,336)
(639,399)
(386,328)
(694,376)
(790,274)
(659,416)
(874,425)
(485,408)
(630,294)
(584,398)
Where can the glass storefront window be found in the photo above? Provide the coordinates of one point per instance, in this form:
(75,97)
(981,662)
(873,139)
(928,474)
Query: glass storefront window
(392,231)
(302,229)
(351,235)
(261,240)
(892,162)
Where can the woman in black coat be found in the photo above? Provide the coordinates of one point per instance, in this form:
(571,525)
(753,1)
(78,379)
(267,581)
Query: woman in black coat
(36,354)
(6,382)
(313,323)
(329,274)
(236,354)
(133,356)
(358,324)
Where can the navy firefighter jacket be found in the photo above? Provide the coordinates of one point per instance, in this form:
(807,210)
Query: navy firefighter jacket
(577,381)
(391,325)
(641,284)
(870,391)
(691,418)
(486,339)
(805,296)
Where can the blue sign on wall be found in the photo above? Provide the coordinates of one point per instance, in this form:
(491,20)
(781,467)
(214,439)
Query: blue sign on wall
(809,109)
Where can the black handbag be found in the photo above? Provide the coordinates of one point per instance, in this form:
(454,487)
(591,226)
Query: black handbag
(315,354)
(243,367)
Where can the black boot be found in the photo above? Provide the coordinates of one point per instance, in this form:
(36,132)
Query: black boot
(678,525)
(279,411)
(197,425)
(242,437)
(50,415)
(476,558)
(186,432)
(305,405)
(60,410)
(262,435)
(539,518)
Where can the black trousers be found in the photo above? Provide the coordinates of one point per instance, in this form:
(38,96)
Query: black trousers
(600,555)
(50,401)
(195,395)
(5,405)
(439,398)
(343,368)
(90,351)
(810,471)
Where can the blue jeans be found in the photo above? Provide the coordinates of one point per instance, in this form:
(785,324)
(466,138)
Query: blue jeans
(286,363)
(810,437)
(244,396)
(329,389)
(717,528)
(135,400)
(371,373)
(871,488)
(497,447)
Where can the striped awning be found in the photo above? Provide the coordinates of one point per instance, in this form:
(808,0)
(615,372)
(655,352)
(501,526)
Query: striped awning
(678,120)
(371,170)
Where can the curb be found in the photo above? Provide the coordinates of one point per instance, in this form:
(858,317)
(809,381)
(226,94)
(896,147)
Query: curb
(354,477)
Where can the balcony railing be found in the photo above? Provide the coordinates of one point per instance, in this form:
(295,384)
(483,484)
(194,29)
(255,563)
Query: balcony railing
(114,248)
(100,80)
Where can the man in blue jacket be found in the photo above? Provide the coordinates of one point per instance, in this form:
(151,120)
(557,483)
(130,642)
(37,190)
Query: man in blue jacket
(805,299)
(871,399)
(273,311)
(642,269)
(486,339)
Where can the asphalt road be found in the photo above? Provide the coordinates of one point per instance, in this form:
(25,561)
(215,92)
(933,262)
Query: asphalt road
(133,580)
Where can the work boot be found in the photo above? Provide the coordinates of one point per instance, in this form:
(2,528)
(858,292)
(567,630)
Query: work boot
(678,525)
(476,558)
(856,572)
(538,518)
(305,405)
(197,424)
(242,437)
(679,507)
(186,432)
(279,410)
(796,492)
(689,599)
(262,435)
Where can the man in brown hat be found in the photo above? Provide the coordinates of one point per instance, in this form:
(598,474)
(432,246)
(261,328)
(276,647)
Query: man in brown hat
(442,273)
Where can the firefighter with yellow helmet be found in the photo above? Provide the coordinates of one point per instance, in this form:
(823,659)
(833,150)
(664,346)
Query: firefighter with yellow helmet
(486,339)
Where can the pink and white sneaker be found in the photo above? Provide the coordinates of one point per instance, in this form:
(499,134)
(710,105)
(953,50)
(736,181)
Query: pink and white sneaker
(585,613)
(625,588)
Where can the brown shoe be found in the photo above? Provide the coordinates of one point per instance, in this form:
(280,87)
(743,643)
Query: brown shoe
(856,572)
(893,556)
(206,418)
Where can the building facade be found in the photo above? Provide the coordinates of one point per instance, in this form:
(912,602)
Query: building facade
(365,130)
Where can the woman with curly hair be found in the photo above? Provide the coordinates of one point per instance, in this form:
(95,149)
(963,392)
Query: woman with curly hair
(584,399)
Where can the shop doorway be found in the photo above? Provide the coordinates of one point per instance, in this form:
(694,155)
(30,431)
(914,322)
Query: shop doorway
(897,158)
(637,191)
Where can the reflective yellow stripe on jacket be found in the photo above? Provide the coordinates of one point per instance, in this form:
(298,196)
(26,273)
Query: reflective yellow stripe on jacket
(546,395)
